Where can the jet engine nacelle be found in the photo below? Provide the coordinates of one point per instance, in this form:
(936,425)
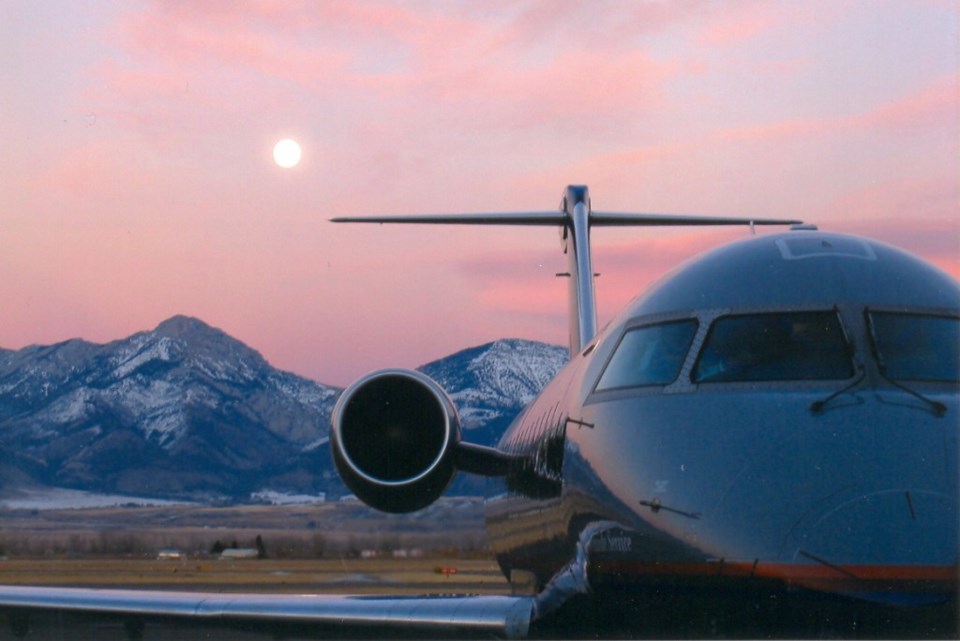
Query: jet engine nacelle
(394,439)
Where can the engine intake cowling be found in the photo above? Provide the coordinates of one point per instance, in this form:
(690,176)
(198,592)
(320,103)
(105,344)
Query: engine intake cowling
(394,438)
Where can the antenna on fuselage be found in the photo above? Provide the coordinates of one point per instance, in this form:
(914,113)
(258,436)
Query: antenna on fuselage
(575,219)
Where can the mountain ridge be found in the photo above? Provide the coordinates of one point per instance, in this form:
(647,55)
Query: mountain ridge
(186,411)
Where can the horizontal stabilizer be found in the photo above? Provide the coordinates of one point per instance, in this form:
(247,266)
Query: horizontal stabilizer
(555,218)
(610,219)
(504,218)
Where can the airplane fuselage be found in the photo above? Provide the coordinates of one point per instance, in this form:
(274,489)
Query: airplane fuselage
(775,420)
(764,415)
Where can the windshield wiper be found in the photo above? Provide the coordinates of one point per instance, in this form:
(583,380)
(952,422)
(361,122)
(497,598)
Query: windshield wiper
(817,406)
(939,409)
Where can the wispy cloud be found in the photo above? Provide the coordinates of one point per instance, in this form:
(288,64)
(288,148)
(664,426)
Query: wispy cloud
(138,183)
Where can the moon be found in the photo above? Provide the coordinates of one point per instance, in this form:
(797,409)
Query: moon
(286,153)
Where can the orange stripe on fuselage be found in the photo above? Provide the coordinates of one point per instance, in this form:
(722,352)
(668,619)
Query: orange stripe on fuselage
(831,578)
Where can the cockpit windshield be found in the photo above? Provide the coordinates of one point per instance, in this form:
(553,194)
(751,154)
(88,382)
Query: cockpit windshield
(916,347)
(649,355)
(787,346)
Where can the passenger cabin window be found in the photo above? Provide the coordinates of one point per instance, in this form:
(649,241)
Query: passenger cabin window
(649,355)
(787,346)
(915,347)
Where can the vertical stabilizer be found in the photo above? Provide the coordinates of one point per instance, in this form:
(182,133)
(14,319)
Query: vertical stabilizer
(581,298)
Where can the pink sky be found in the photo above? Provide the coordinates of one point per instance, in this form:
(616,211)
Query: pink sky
(136,178)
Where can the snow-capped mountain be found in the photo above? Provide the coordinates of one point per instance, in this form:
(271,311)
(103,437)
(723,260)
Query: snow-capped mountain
(186,411)
(180,410)
(490,384)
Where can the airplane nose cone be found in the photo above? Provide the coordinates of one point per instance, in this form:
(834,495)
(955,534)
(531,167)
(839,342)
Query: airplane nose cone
(863,505)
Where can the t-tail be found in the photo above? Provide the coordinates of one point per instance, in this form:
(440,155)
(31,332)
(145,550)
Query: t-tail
(575,218)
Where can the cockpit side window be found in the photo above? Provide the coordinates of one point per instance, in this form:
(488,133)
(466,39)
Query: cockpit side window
(916,347)
(784,346)
(649,355)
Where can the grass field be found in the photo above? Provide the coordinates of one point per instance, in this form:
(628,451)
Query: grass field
(451,527)
(336,548)
(329,576)
(330,548)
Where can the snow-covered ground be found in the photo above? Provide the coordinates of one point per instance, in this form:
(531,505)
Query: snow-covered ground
(279,498)
(55,498)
